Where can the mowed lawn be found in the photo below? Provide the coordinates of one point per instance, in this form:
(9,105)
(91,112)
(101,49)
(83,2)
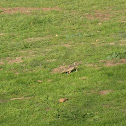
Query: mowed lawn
(37,36)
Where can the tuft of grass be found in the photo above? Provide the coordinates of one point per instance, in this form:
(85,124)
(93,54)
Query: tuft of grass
(117,55)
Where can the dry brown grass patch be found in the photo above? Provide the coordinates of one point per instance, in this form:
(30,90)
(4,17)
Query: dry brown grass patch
(105,92)
(115,63)
(27,53)
(49,80)
(15,60)
(21,98)
(67,45)
(122,42)
(51,60)
(3,101)
(50,9)
(1,34)
(83,78)
(123,110)
(25,9)
(100,15)
(93,66)
(39,81)
(34,39)
(1,62)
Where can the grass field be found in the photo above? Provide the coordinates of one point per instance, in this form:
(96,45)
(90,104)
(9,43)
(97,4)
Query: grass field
(37,36)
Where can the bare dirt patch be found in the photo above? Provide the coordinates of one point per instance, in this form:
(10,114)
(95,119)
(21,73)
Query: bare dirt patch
(123,110)
(21,98)
(100,15)
(25,9)
(105,92)
(39,81)
(1,34)
(34,39)
(122,42)
(1,62)
(3,101)
(50,9)
(93,66)
(15,60)
(115,63)
(123,21)
(49,80)
(112,43)
(67,45)
(102,92)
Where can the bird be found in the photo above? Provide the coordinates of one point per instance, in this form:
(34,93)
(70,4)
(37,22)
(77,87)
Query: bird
(66,68)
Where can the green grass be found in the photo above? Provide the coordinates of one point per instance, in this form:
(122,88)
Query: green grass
(33,44)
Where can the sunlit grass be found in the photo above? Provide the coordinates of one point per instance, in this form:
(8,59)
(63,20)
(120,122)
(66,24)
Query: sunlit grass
(33,43)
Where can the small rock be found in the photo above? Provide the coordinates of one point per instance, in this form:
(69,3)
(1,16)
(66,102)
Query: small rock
(63,100)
